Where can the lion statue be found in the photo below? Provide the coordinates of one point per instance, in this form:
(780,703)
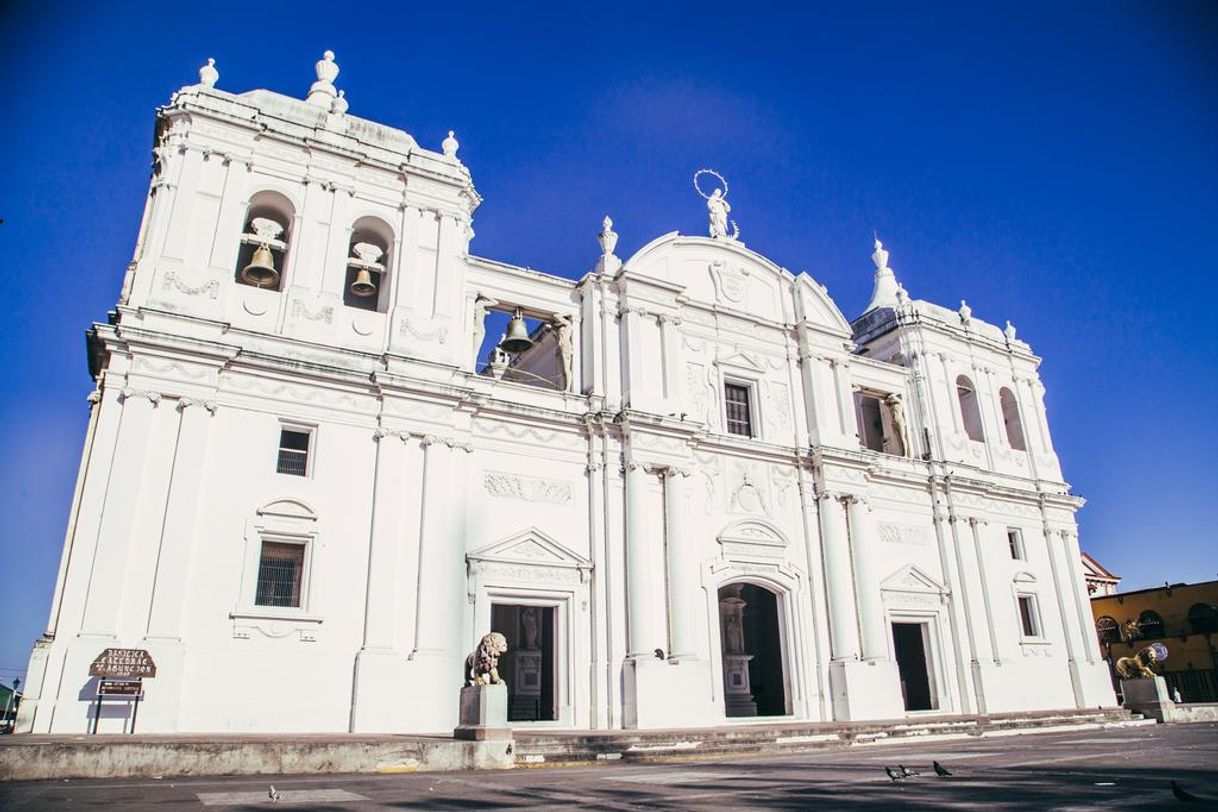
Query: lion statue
(1138,666)
(482,664)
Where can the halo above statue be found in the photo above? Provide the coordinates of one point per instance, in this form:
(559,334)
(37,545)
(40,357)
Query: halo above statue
(712,173)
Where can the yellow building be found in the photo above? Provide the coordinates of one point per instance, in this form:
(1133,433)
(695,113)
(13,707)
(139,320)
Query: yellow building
(1184,617)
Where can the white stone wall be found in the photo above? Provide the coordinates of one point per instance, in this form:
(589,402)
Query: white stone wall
(434,492)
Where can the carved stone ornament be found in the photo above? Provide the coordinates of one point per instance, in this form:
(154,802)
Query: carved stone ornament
(731,284)
(210,288)
(299,310)
(717,207)
(526,488)
(482,664)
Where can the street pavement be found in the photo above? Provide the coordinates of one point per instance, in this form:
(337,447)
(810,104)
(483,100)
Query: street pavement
(1126,768)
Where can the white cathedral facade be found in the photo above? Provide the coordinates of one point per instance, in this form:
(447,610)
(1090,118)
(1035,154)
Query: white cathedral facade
(685,488)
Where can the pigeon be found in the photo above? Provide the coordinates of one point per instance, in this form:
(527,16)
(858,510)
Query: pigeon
(940,770)
(905,771)
(273,794)
(1182,794)
(893,774)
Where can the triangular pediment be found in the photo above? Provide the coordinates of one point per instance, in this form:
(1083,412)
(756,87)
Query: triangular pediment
(741,360)
(530,546)
(911,579)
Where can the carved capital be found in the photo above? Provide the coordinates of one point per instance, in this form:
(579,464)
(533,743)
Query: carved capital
(429,439)
(209,405)
(153,397)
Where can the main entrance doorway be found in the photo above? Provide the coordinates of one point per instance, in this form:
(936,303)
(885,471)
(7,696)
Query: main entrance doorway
(528,666)
(910,641)
(754,676)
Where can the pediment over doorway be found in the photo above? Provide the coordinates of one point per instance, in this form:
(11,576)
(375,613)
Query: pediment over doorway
(530,547)
(752,538)
(911,579)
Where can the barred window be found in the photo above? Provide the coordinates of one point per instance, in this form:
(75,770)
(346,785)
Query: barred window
(739,418)
(1029,618)
(280,570)
(293,452)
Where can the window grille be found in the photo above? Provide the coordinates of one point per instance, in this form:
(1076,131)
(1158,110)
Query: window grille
(293,452)
(279,574)
(739,419)
(1027,616)
(1108,630)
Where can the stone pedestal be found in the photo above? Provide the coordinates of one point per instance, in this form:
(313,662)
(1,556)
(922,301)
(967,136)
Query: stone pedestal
(483,713)
(1148,697)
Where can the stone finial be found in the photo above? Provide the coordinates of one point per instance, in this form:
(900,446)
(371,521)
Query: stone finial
(339,105)
(450,145)
(887,290)
(208,75)
(966,312)
(322,92)
(1009,332)
(608,240)
(880,257)
(608,237)
(902,294)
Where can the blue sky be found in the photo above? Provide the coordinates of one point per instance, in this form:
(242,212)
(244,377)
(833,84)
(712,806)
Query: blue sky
(1054,163)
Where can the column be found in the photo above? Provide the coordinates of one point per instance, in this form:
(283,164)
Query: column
(835,547)
(118,514)
(1076,584)
(642,630)
(683,570)
(956,609)
(845,397)
(385,541)
(866,587)
(970,587)
(975,524)
(177,540)
(670,339)
(441,558)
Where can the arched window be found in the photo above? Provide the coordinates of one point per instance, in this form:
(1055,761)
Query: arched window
(1150,625)
(969,410)
(1203,618)
(1108,630)
(264,241)
(1010,418)
(367,260)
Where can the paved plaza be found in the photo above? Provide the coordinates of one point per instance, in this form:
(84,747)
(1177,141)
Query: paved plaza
(1127,768)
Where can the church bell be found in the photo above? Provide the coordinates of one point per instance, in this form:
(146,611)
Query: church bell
(261,271)
(517,338)
(363,286)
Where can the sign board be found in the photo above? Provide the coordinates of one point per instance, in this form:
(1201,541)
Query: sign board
(125,663)
(110,687)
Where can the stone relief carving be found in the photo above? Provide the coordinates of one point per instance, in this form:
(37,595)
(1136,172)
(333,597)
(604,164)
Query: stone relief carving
(901,534)
(171,280)
(748,496)
(527,488)
(438,334)
(299,310)
(778,398)
(731,284)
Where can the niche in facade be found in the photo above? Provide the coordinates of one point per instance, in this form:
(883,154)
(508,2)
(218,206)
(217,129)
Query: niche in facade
(264,241)
(366,280)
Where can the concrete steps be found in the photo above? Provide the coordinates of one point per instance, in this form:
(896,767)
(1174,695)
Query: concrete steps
(553,748)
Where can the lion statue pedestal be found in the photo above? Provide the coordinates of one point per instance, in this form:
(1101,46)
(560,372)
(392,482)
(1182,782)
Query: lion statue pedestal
(1148,697)
(484,699)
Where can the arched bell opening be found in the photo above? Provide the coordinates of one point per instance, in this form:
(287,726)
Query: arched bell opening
(755,675)
(368,260)
(265,238)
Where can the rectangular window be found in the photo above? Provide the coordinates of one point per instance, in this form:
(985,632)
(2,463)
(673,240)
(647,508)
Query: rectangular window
(1015,542)
(280,571)
(1028,617)
(294,452)
(739,417)
(870,421)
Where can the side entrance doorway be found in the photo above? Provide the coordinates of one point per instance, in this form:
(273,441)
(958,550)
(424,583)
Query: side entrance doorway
(912,647)
(754,667)
(528,667)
